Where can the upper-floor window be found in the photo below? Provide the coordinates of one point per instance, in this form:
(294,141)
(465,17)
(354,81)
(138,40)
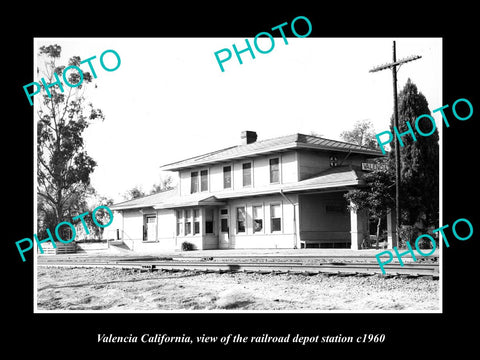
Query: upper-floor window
(193,182)
(247,174)
(227,177)
(274,170)
(197,184)
(204,180)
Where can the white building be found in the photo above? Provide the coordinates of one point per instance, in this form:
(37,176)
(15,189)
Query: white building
(286,192)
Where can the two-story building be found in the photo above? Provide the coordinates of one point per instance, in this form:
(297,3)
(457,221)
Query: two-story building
(286,192)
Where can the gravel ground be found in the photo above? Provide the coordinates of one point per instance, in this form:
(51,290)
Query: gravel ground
(129,290)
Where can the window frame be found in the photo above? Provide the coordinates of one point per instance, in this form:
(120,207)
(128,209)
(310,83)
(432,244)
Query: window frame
(179,215)
(237,227)
(231,176)
(278,169)
(272,218)
(202,177)
(195,189)
(188,220)
(196,221)
(262,218)
(251,174)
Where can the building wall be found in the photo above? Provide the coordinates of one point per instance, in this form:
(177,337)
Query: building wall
(131,224)
(260,173)
(324,218)
(312,162)
(285,238)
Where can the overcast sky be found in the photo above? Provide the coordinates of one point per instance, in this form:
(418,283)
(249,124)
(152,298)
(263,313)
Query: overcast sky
(169,100)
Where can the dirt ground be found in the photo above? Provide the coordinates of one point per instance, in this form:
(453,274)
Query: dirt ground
(129,290)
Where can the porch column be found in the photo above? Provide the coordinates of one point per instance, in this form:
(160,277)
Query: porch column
(358,227)
(391,229)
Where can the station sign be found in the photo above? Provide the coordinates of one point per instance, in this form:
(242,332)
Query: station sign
(373,167)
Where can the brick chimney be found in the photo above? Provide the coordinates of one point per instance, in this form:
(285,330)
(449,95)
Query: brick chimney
(248,137)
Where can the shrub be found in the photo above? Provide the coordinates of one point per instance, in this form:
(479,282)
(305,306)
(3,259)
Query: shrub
(408,233)
(186,246)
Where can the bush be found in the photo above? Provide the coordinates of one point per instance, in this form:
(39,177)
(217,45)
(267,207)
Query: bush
(186,246)
(408,233)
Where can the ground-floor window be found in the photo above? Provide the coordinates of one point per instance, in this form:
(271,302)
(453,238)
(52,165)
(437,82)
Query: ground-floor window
(241,219)
(196,221)
(257,218)
(179,214)
(188,222)
(275,217)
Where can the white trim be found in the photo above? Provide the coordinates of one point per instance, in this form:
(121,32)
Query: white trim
(231,177)
(275,203)
(280,179)
(251,174)
(262,206)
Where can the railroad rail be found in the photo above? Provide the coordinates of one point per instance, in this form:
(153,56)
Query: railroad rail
(248,264)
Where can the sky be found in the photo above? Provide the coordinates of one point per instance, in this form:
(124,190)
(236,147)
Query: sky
(168,100)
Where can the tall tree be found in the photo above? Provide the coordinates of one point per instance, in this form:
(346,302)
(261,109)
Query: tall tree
(134,193)
(166,183)
(63,166)
(362,134)
(419,160)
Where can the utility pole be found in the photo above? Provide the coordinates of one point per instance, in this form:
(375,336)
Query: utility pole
(393,66)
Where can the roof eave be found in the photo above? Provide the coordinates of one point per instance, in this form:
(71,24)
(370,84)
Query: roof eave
(291,146)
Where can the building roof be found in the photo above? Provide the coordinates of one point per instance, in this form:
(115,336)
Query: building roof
(295,141)
(336,178)
(145,201)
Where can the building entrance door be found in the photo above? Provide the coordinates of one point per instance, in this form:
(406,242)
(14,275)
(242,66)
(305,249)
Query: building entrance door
(151,221)
(223,231)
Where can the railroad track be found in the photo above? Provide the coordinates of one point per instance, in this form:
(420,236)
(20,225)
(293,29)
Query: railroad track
(293,265)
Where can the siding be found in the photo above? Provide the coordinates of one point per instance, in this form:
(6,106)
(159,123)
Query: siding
(132,225)
(318,224)
(260,173)
(265,239)
(311,163)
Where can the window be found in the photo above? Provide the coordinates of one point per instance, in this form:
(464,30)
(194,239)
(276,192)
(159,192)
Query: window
(274,170)
(333,161)
(227,177)
(276,218)
(179,222)
(204,180)
(196,221)
(257,219)
(209,221)
(247,174)
(224,212)
(188,222)
(224,225)
(240,219)
(193,182)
